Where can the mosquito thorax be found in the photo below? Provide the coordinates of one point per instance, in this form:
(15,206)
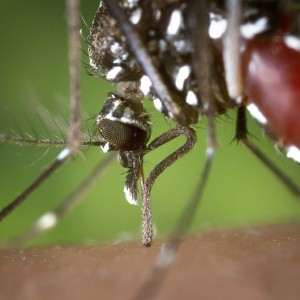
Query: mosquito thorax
(124,125)
(161,27)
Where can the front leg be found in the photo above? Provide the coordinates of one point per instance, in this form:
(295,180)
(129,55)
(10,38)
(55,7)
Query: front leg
(147,231)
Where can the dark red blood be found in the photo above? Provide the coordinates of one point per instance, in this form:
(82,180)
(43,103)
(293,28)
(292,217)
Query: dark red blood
(272,82)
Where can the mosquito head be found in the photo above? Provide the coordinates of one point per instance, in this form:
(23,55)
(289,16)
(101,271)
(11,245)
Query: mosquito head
(123,124)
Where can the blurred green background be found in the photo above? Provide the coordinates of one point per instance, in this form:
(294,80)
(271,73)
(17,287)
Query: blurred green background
(34,74)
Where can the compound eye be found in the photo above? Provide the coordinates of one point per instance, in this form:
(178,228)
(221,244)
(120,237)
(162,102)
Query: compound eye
(124,125)
(122,136)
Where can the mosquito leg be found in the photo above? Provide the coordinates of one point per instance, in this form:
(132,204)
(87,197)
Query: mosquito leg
(190,134)
(4,138)
(202,59)
(74,59)
(63,156)
(241,135)
(74,142)
(167,252)
(276,171)
(59,161)
(51,218)
(231,52)
(241,130)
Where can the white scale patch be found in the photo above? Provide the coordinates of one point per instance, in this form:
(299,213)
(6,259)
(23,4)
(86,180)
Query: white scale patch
(115,48)
(117,61)
(105,148)
(217,26)
(131,3)
(47,221)
(210,152)
(64,154)
(175,22)
(294,153)
(136,16)
(117,103)
(250,30)
(113,73)
(158,15)
(257,114)
(191,98)
(127,118)
(158,105)
(92,64)
(128,113)
(145,84)
(183,73)
(129,196)
(162,45)
(120,59)
(180,45)
(206,106)
(292,42)
(171,115)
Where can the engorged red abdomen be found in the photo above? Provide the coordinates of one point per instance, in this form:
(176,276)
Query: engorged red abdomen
(272,82)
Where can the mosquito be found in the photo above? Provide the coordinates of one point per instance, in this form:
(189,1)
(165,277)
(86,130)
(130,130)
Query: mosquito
(172,64)
(129,59)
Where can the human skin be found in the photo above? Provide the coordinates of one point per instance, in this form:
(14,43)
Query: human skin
(248,263)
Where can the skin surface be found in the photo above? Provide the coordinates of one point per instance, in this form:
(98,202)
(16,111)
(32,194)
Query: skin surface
(249,263)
